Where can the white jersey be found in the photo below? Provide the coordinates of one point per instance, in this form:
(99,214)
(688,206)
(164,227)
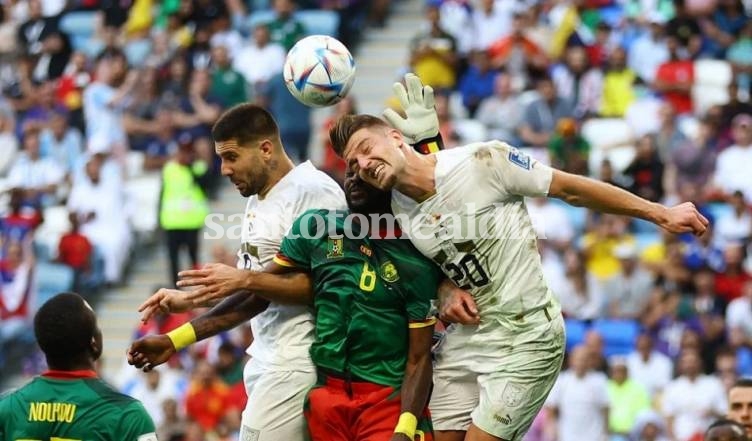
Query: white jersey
(282,335)
(477,228)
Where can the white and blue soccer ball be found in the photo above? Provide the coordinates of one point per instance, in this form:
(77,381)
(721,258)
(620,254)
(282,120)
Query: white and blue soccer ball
(319,71)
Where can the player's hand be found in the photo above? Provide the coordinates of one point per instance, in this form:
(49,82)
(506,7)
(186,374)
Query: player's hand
(417,101)
(165,301)
(216,281)
(684,218)
(400,437)
(458,306)
(148,352)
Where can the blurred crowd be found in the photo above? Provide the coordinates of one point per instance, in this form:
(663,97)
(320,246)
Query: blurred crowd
(99,109)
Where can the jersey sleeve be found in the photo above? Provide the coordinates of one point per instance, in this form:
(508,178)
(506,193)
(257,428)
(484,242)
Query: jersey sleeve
(135,424)
(515,173)
(298,244)
(422,292)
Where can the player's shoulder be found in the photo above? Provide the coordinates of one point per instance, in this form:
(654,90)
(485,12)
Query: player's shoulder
(317,220)
(307,184)
(109,396)
(480,152)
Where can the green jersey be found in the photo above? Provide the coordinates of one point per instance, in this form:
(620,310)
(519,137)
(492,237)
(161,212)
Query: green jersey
(368,293)
(67,407)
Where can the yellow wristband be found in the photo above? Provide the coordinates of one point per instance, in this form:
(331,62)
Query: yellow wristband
(407,424)
(182,336)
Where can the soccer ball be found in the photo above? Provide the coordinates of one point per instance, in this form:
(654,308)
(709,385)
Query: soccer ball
(319,71)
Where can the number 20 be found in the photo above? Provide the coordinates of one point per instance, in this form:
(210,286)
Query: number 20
(475,275)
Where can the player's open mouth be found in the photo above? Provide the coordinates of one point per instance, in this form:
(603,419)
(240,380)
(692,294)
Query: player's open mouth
(377,171)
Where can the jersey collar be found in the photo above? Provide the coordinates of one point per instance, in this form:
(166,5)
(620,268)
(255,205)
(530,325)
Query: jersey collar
(70,375)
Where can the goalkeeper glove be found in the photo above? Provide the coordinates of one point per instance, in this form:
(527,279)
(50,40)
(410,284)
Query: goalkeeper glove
(420,127)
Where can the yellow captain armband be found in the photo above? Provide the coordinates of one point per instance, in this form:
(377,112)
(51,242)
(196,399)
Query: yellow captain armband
(182,336)
(407,424)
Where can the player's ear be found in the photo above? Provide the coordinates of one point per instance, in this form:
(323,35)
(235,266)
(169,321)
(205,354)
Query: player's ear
(266,146)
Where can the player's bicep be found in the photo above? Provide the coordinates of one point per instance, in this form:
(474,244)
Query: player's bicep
(517,173)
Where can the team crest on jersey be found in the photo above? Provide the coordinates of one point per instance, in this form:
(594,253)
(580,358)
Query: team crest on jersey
(389,272)
(512,395)
(335,248)
(520,159)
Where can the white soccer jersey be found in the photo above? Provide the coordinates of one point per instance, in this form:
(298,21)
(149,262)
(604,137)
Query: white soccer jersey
(477,228)
(282,335)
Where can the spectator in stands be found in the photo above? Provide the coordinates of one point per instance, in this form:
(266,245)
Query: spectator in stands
(490,20)
(183,205)
(75,251)
(56,52)
(227,85)
(259,60)
(207,397)
(674,78)
(740,404)
(596,346)
(38,177)
(739,314)
(224,35)
(173,426)
(33,31)
(649,426)
(433,53)
(725,430)
(61,142)
(578,402)
(517,52)
(618,85)
(650,50)
(19,223)
(105,99)
(333,165)
(577,82)
(728,20)
(739,54)
(541,116)
(600,242)
(629,292)
(8,140)
(685,29)
(198,52)
(98,201)
(578,296)
(691,162)
(552,223)
(16,295)
(477,83)
(648,367)
(163,144)
(688,417)
(499,112)
(43,107)
(726,368)
(568,149)
(731,172)
(292,116)
(646,171)
(153,389)
(285,29)
(627,399)
(735,225)
(730,282)
(668,137)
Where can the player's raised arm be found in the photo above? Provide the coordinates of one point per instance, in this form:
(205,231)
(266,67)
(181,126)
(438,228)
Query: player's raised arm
(585,192)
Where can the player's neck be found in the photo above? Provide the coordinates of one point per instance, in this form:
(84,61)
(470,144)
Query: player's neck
(86,364)
(417,180)
(278,169)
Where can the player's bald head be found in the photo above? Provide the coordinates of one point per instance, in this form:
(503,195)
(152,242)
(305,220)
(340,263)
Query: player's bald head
(66,330)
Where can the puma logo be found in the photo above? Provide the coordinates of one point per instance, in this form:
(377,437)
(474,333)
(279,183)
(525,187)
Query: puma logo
(506,419)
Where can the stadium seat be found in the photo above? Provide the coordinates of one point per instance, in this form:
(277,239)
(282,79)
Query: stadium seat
(575,330)
(711,80)
(610,138)
(618,335)
(719,210)
(52,278)
(81,23)
(55,224)
(644,240)
(319,21)
(142,194)
(469,130)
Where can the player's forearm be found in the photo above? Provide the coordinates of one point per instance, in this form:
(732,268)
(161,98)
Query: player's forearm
(416,385)
(229,313)
(291,287)
(596,195)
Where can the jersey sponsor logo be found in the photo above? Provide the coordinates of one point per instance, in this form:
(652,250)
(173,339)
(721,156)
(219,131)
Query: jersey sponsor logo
(365,250)
(335,248)
(512,394)
(503,419)
(52,412)
(389,272)
(147,437)
(520,159)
